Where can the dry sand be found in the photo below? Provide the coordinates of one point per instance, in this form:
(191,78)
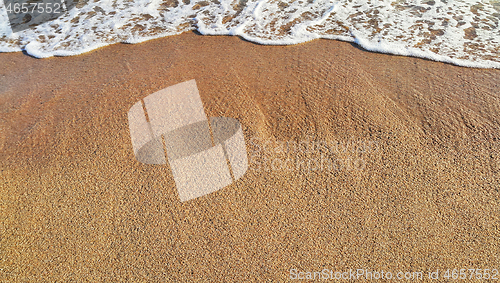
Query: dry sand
(76,206)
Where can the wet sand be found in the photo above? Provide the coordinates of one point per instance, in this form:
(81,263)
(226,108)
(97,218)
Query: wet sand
(415,186)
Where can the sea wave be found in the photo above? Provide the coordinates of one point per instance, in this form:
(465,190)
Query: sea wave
(464,33)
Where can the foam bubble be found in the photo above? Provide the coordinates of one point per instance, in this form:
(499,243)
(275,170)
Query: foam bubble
(460,32)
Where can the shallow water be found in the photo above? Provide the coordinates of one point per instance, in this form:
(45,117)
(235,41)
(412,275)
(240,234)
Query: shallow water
(465,33)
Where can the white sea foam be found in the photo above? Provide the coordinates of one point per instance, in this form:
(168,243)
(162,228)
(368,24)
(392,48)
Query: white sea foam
(461,32)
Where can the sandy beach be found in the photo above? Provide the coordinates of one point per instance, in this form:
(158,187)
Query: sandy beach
(414,185)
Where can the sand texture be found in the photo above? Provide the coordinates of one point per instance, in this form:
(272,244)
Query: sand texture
(423,193)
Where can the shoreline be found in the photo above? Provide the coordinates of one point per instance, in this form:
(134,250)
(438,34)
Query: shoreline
(76,205)
(361,43)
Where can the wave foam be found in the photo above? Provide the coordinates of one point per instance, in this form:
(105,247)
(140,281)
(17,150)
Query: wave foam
(460,32)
